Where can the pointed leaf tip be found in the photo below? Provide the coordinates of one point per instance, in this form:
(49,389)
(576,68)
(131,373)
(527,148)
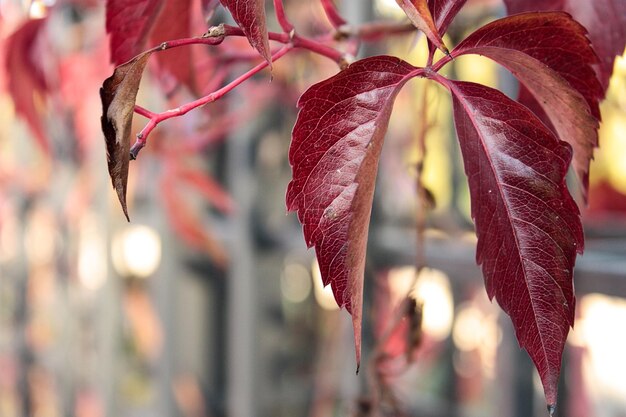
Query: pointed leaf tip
(118,95)
(419,14)
(250,16)
(528,226)
(334,152)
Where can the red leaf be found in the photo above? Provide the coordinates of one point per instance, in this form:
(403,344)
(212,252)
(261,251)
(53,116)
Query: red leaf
(188,226)
(174,22)
(604,19)
(26,77)
(208,188)
(566,89)
(129,22)
(250,16)
(397,326)
(419,14)
(528,226)
(334,155)
(208,8)
(444,11)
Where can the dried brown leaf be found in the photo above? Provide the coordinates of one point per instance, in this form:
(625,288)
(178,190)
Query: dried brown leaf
(118,95)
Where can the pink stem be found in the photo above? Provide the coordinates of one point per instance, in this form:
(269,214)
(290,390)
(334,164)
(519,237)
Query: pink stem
(443,61)
(144,112)
(206,40)
(320,49)
(209,98)
(282,17)
(297,41)
(332,14)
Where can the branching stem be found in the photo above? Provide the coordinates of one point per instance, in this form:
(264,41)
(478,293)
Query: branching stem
(289,38)
(157,118)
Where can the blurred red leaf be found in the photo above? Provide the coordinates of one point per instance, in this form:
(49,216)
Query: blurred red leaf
(250,16)
(26,78)
(208,188)
(174,22)
(550,54)
(129,23)
(188,226)
(528,226)
(208,8)
(334,156)
(604,19)
(397,326)
(605,199)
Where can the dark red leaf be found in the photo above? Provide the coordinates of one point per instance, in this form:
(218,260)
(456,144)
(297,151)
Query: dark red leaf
(118,95)
(419,14)
(250,16)
(528,225)
(26,77)
(444,11)
(174,22)
(129,23)
(334,155)
(604,19)
(550,54)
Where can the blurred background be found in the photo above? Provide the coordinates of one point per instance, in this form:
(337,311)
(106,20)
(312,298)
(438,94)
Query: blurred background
(208,303)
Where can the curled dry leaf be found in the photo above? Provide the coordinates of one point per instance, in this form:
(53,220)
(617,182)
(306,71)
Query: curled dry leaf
(118,95)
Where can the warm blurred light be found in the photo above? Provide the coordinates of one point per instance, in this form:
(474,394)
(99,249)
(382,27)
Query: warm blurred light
(92,265)
(388,8)
(612,136)
(136,251)
(476,330)
(477,69)
(37,10)
(609,162)
(9,234)
(40,236)
(432,287)
(468,328)
(323,295)
(598,329)
(295,283)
